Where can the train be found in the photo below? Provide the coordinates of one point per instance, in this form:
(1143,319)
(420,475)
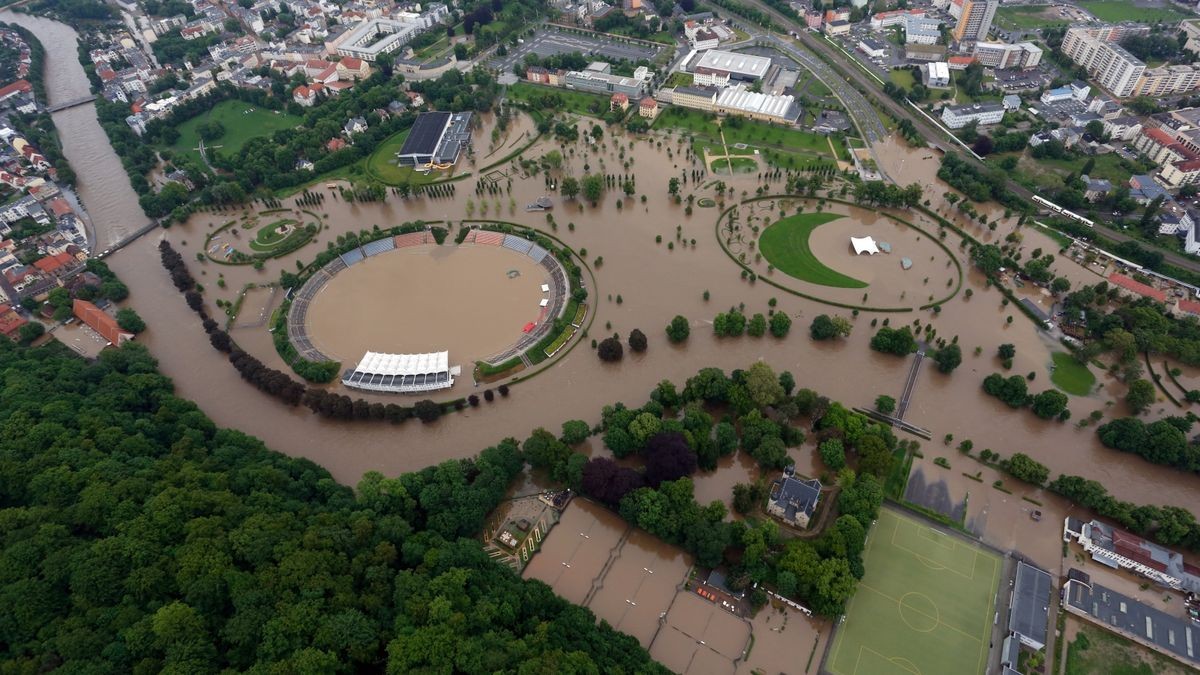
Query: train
(1062,212)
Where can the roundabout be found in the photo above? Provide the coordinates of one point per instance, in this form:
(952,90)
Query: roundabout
(825,250)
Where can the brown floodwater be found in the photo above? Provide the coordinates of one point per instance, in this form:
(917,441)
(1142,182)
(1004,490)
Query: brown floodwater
(470,300)
(654,283)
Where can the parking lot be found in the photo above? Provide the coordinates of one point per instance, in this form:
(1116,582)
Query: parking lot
(551,42)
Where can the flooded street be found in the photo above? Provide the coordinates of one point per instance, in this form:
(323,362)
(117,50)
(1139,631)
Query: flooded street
(472,301)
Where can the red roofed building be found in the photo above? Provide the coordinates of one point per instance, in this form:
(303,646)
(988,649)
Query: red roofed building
(59,207)
(960,62)
(10,322)
(306,95)
(57,264)
(1137,287)
(618,100)
(648,108)
(351,68)
(335,144)
(1190,306)
(99,321)
(18,87)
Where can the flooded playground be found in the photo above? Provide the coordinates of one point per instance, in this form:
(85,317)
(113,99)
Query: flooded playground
(472,301)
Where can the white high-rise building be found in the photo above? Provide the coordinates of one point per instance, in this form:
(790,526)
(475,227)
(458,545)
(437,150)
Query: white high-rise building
(1107,62)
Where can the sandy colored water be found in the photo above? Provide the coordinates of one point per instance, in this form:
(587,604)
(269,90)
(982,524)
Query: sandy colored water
(655,283)
(462,299)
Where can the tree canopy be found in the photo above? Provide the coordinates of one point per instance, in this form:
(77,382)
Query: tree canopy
(138,536)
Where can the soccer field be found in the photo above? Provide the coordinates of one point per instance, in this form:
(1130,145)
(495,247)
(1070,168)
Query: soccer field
(924,607)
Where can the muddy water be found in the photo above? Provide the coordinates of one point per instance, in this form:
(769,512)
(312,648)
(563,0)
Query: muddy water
(783,640)
(472,301)
(627,577)
(101,181)
(654,283)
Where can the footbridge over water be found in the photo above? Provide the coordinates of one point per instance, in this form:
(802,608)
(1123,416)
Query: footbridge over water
(72,103)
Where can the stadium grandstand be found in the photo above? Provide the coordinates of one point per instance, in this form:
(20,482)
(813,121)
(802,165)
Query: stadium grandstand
(402,373)
(436,140)
(397,380)
(560,288)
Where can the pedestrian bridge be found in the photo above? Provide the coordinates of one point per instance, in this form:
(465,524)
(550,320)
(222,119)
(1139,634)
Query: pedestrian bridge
(72,103)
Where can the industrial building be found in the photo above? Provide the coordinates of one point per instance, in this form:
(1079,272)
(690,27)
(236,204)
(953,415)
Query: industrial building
(780,109)
(436,139)
(599,79)
(738,66)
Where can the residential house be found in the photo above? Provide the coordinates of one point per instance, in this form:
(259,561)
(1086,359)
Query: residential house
(794,501)
(351,68)
(618,101)
(1095,188)
(355,125)
(10,322)
(648,108)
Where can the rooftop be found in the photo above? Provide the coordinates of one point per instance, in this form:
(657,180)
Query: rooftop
(734,62)
(1030,611)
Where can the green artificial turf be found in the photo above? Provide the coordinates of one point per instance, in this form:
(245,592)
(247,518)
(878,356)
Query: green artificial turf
(925,604)
(785,245)
(1071,376)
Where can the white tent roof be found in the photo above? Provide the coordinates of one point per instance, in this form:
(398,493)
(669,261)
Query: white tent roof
(864,245)
(404,364)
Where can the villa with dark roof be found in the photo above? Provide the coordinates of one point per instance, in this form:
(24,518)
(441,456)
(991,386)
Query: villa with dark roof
(794,501)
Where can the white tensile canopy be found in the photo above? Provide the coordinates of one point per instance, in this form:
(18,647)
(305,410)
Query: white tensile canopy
(404,364)
(864,245)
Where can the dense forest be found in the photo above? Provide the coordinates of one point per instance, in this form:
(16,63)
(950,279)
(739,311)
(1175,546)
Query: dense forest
(136,536)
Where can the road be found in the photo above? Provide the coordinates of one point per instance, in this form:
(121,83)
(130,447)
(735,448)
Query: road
(861,82)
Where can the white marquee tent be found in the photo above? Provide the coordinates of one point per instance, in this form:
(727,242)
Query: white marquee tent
(864,245)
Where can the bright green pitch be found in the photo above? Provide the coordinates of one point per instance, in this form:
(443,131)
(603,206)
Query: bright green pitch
(925,606)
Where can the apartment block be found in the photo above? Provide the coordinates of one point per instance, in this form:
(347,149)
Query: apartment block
(975,19)
(1107,62)
(1022,55)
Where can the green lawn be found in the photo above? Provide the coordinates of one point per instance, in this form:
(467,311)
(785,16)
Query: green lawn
(818,88)
(902,77)
(242,122)
(578,102)
(679,79)
(739,165)
(381,165)
(779,146)
(785,245)
(1116,11)
(924,605)
(1095,651)
(1027,17)
(1071,376)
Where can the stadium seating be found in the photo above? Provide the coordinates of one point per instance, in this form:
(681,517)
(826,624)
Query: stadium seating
(515,243)
(488,238)
(352,257)
(379,246)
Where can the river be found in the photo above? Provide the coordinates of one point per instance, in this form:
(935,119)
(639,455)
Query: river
(653,281)
(103,187)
